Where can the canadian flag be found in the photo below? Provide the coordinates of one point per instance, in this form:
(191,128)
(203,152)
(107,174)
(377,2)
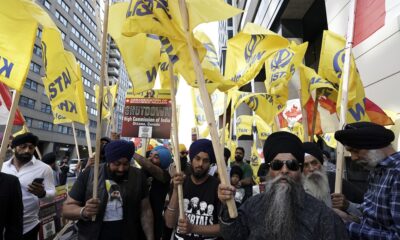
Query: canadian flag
(371,15)
(5,105)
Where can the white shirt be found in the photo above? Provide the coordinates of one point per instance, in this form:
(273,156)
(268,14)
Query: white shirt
(29,171)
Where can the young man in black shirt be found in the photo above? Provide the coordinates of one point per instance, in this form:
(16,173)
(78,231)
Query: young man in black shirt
(201,202)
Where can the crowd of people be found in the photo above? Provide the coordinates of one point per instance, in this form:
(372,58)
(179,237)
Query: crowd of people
(137,196)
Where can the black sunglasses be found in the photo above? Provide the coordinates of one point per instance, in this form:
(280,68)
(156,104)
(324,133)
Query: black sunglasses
(292,165)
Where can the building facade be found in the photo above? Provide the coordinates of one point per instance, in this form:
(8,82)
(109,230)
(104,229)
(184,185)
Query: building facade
(77,21)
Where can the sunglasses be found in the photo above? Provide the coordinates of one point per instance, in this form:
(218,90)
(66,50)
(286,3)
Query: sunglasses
(292,165)
(184,152)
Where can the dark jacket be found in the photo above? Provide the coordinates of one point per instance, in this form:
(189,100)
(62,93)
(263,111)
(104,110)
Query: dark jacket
(317,221)
(11,208)
(89,230)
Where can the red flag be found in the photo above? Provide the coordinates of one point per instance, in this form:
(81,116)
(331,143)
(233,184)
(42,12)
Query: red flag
(370,17)
(5,105)
(309,107)
(376,114)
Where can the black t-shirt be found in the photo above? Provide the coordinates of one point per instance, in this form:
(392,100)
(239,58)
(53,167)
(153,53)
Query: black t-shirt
(157,193)
(201,205)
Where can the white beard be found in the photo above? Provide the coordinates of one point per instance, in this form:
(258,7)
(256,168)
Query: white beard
(317,185)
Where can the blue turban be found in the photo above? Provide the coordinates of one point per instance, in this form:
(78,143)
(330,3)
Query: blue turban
(115,150)
(164,155)
(202,145)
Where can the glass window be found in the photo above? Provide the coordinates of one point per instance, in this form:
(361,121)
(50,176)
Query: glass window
(47,4)
(46,108)
(37,50)
(28,121)
(34,67)
(27,102)
(30,84)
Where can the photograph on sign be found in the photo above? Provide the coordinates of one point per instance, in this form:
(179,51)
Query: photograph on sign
(147,117)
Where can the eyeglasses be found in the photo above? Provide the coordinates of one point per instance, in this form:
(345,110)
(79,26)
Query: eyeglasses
(184,152)
(292,165)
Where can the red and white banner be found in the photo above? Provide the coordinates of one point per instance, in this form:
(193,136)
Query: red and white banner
(5,105)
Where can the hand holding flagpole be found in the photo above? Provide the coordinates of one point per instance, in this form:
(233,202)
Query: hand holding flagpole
(207,107)
(344,96)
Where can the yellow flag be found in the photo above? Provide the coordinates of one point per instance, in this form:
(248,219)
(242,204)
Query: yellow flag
(201,11)
(141,53)
(217,100)
(262,104)
(63,81)
(297,130)
(280,68)
(331,67)
(17,37)
(263,129)
(247,52)
(164,18)
(23,130)
(109,95)
(329,139)
(255,163)
(244,125)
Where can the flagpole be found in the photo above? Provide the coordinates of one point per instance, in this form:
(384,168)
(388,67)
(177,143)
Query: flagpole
(100,99)
(344,96)
(208,108)
(315,112)
(76,141)
(88,140)
(224,123)
(176,139)
(9,126)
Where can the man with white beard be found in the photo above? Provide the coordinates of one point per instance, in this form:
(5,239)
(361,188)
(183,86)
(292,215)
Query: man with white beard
(369,145)
(320,183)
(284,211)
(315,179)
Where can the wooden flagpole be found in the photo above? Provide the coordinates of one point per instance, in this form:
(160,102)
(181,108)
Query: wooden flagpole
(9,126)
(176,139)
(76,141)
(208,108)
(88,140)
(100,99)
(314,118)
(344,96)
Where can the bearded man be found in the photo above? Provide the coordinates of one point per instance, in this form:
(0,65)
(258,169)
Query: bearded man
(36,178)
(369,145)
(200,189)
(284,210)
(321,184)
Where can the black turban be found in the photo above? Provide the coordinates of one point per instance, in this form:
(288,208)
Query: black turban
(365,135)
(202,145)
(115,150)
(314,150)
(49,158)
(283,142)
(25,138)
